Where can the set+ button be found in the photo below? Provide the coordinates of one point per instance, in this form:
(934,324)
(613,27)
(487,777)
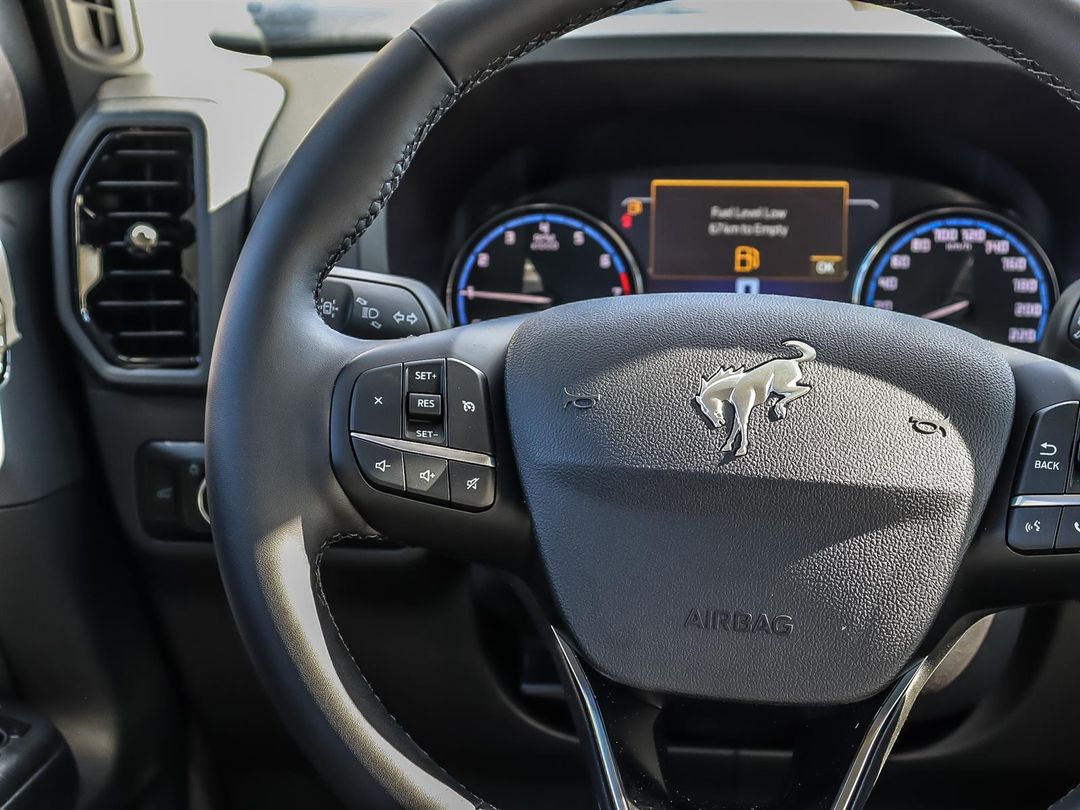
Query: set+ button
(425,377)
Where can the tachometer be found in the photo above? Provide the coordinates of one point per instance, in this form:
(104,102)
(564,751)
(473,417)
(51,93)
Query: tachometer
(534,257)
(966,267)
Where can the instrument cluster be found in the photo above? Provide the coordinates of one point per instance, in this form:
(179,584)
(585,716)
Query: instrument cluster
(874,240)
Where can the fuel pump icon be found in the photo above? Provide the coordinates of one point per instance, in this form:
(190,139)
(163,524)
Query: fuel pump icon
(747,259)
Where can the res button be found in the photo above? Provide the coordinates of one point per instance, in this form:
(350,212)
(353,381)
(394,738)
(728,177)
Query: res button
(1044,466)
(425,406)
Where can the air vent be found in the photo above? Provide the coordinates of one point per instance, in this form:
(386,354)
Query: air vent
(136,285)
(103,30)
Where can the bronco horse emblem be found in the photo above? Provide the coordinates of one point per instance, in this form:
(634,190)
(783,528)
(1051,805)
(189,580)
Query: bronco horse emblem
(745,389)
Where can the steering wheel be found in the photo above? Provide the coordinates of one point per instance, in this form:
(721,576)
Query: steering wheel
(752,499)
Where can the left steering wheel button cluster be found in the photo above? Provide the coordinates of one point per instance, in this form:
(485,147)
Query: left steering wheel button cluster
(399,418)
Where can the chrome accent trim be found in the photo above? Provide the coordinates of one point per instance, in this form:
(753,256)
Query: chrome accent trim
(9,330)
(12,109)
(202,501)
(1045,500)
(609,770)
(438,451)
(878,741)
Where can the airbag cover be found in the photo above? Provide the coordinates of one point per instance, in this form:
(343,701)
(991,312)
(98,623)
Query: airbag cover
(805,571)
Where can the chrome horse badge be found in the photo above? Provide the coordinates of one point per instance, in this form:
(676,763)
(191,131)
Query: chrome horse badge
(745,389)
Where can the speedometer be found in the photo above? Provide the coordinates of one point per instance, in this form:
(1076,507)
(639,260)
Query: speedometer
(965,267)
(531,258)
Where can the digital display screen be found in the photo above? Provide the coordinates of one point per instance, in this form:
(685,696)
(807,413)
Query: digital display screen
(791,230)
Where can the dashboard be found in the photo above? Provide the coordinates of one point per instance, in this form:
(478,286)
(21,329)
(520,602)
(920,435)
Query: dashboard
(883,175)
(833,239)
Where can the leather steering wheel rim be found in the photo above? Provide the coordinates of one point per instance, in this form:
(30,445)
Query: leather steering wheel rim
(276,504)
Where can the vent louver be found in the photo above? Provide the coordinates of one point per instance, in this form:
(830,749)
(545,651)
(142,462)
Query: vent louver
(103,30)
(136,285)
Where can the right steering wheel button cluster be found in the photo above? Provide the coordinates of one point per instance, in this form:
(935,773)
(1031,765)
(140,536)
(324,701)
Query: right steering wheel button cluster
(400,418)
(1043,518)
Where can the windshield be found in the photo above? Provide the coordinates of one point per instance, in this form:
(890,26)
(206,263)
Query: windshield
(296,27)
(286,28)
(300,27)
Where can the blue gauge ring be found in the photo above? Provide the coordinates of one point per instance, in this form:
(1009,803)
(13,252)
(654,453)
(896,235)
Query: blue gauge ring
(864,289)
(601,234)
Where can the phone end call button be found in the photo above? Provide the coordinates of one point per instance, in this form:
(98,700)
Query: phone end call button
(1068,533)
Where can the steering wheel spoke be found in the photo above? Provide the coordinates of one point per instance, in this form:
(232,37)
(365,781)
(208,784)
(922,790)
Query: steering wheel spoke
(838,757)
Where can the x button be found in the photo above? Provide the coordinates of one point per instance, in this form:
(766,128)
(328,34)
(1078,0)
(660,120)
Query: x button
(376,402)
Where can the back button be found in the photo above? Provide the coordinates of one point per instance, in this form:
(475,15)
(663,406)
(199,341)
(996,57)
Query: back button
(1044,467)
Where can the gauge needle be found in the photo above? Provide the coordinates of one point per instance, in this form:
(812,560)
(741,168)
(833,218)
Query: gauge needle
(513,298)
(947,310)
